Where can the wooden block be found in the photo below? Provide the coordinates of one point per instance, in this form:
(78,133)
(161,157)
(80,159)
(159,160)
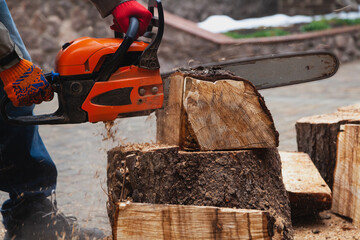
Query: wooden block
(346,197)
(215,112)
(308,192)
(153,222)
(169,119)
(246,179)
(317,136)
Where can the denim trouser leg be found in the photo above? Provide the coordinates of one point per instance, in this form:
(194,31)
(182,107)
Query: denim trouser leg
(26,167)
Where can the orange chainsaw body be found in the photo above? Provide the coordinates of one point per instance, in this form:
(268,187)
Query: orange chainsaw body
(100,79)
(141,89)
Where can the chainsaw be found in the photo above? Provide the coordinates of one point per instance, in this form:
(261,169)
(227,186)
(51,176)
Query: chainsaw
(101,79)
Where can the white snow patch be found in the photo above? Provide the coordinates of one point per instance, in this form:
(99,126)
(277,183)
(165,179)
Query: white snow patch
(222,23)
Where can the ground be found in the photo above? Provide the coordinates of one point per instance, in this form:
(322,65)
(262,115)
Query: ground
(79,151)
(325,226)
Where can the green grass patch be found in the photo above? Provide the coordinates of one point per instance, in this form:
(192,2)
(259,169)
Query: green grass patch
(316,26)
(329,23)
(260,33)
(319,25)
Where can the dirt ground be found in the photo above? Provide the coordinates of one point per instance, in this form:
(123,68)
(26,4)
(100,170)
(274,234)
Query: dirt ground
(326,225)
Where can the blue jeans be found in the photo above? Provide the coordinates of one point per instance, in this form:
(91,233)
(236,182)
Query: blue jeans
(26,168)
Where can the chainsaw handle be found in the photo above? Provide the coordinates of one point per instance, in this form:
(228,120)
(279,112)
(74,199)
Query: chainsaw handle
(54,118)
(133,28)
(118,56)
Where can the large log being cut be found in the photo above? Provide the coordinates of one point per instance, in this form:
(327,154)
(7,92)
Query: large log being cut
(215,111)
(317,136)
(206,111)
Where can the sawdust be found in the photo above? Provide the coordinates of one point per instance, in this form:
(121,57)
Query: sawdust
(110,131)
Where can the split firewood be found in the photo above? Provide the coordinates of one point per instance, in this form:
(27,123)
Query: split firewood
(346,198)
(246,179)
(153,222)
(214,111)
(317,136)
(308,192)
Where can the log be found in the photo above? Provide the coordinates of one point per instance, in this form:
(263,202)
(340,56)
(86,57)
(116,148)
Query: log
(246,179)
(153,222)
(214,111)
(317,136)
(346,198)
(308,192)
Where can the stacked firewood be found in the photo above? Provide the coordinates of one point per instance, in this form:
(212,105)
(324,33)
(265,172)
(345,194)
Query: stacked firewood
(215,171)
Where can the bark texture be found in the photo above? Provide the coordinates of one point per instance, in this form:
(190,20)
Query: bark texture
(248,179)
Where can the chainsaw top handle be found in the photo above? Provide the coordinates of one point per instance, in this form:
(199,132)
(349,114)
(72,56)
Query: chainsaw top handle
(148,59)
(117,58)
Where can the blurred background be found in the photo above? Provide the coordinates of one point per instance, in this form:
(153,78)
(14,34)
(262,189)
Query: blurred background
(46,25)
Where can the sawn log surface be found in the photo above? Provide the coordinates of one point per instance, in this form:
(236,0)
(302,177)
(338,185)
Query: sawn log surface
(346,198)
(214,111)
(154,221)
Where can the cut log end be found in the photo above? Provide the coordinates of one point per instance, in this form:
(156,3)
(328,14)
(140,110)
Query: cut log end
(214,111)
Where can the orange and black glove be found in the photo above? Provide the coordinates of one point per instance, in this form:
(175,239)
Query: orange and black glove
(25,84)
(124,11)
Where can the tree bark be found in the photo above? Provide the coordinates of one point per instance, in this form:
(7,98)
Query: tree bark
(317,136)
(248,179)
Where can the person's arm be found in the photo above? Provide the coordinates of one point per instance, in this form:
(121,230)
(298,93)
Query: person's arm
(23,81)
(10,54)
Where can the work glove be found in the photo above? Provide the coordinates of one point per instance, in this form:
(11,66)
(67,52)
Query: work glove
(124,11)
(25,84)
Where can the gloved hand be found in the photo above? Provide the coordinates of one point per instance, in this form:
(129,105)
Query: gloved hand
(25,84)
(124,11)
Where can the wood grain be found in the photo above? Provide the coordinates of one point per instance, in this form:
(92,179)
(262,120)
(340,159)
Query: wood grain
(169,118)
(346,197)
(214,111)
(156,222)
(225,115)
(308,192)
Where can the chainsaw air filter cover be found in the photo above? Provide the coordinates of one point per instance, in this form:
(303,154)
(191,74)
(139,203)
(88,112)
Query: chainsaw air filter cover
(86,55)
